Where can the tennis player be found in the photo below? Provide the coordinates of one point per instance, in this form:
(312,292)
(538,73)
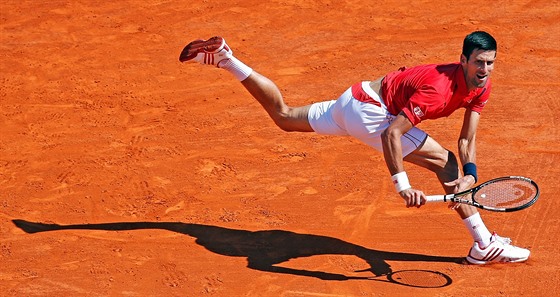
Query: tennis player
(384,114)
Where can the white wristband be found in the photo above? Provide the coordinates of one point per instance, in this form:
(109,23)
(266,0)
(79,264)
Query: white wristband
(401,181)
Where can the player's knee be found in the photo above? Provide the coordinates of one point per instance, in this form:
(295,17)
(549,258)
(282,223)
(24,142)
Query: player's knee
(281,120)
(443,163)
(450,167)
(287,119)
(284,123)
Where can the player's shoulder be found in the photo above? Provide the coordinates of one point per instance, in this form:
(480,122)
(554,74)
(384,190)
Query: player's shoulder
(441,67)
(435,71)
(438,76)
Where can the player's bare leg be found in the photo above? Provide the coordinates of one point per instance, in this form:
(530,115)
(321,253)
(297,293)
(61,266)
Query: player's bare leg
(216,52)
(269,96)
(432,156)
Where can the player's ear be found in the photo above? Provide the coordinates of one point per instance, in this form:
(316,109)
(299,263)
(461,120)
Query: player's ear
(463,59)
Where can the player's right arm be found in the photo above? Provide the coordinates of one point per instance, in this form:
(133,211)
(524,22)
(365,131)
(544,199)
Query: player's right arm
(392,151)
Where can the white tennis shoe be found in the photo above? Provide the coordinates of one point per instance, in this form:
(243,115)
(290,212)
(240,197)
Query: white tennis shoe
(208,52)
(500,250)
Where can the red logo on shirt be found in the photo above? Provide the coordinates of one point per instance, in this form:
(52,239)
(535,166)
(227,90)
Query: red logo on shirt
(418,112)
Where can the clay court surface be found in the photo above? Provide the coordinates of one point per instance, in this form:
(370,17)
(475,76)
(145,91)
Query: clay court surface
(126,173)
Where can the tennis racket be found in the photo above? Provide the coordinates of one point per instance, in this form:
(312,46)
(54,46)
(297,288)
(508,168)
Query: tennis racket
(505,194)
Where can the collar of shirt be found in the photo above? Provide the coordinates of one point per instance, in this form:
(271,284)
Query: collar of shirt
(461,86)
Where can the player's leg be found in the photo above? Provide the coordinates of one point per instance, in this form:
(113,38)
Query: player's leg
(487,247)
(269,96)
(434,157)
(215,51)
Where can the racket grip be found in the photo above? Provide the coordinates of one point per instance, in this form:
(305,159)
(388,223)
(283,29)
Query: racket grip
(435,198)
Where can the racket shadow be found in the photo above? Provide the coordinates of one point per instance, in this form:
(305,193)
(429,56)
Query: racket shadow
(265,250)
(417,278)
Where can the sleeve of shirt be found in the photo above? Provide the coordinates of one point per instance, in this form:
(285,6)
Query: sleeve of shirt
(481,100)
(423,104)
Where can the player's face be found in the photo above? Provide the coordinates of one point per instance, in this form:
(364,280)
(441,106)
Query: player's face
(478,68)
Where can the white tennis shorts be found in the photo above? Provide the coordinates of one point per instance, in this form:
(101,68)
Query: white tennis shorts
(361,113)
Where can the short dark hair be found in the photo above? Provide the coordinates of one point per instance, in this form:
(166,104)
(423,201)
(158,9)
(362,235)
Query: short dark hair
(478,40)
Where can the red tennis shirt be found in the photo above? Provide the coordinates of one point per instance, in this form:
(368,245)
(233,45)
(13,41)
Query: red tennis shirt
(431,92)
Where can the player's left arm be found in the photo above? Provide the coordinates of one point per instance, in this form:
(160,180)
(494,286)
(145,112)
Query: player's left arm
(467,151)
(467,138)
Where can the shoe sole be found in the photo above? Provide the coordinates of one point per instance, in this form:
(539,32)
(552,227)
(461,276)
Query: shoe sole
(192,49)
(478,262)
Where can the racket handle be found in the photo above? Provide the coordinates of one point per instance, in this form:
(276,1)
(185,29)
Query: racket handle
(435,198)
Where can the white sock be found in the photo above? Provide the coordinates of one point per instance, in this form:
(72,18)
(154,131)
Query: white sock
(477,229)
(237,68)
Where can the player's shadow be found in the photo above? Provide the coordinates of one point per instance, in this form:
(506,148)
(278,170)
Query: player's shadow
(263,249)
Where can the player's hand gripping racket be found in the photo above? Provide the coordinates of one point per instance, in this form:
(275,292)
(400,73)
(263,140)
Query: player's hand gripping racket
(510,193)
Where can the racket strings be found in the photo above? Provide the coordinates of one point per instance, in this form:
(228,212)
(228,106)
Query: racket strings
(506,193)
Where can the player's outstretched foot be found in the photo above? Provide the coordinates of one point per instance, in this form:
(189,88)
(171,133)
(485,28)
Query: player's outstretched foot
(209,52)
(500,250)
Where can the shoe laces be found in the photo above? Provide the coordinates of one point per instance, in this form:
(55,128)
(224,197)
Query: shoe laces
(504,240)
